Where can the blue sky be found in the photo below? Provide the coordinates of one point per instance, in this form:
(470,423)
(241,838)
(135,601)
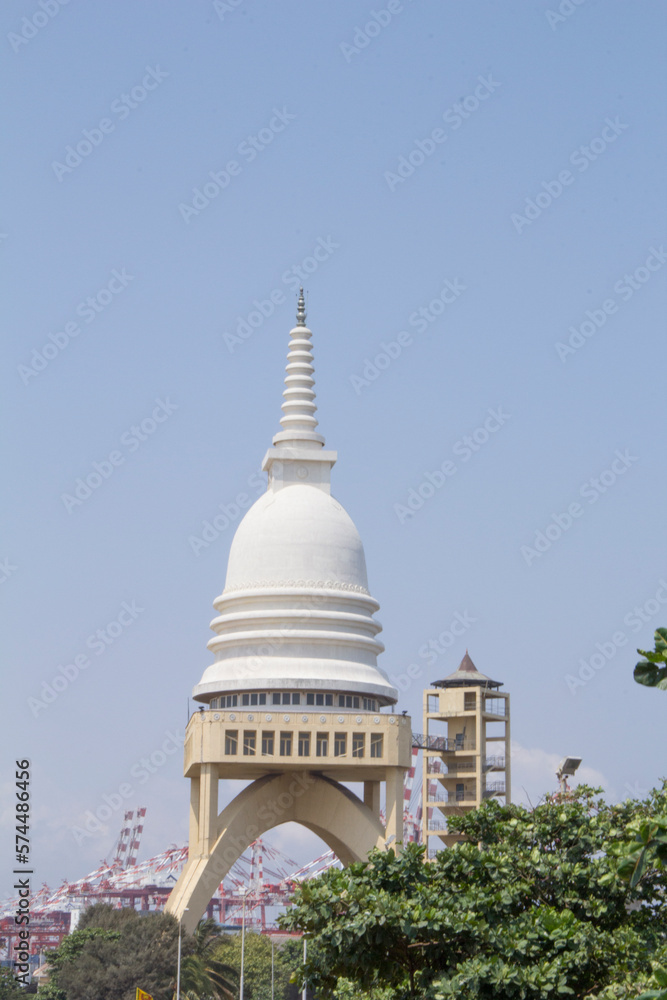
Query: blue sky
(475,193)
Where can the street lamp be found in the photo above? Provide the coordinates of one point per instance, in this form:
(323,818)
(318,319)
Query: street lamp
(568,766)
(244,893)
(178,966)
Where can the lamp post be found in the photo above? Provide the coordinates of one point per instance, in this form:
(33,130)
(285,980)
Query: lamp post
(178,964)
(568,766)
(305,955)
(244,893)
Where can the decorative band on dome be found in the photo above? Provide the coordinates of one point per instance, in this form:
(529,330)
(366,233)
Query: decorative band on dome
(304,584)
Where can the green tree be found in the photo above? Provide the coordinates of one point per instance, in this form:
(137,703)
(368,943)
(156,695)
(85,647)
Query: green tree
(531,905)
(652,671)
(9,988)
(113,952)
(202,975)
(257,965)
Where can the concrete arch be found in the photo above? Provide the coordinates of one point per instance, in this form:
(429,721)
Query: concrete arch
(327,808)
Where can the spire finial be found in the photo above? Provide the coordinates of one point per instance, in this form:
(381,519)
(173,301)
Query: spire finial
(301,310)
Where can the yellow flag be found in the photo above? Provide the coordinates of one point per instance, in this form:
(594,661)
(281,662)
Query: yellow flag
(143,996)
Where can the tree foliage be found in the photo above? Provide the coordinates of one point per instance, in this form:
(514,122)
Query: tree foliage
(533,904)
(257,965)
(9,988)
(113,952)
(652,671)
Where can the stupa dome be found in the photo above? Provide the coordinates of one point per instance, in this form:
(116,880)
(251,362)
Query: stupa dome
(296,616)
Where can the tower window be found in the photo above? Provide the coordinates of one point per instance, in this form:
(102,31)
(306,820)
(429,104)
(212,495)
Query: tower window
(245,699)
(286,698)
(319,699)
(358,741)
(214,703)
(310,699)
(253,699)
(377,744)
(262,699)
(249,743)
(285,744)
(328,700)
(231,741)
(276,698)
(469,702)
(304,744)
(322,748)
(296,699)
(267,744)
(340,744)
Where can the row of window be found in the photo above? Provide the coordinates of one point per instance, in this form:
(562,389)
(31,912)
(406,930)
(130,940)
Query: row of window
(248,742)
(294,698)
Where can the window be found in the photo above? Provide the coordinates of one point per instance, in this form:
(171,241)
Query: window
(285,744)
(310,699)
(460,792)
(319,699)
(214,703)
(286,698)
(377,741)
(262,699)
(231,741)
(341,701)
(322,748)
(328,699)
(253,699)
(304,744)
(355,703)
(245,699)
(276,698)
(469,701)
(370,705)
(249,743)
(340,744)
(267,744)
(358,742)
(296,699)
(231,700)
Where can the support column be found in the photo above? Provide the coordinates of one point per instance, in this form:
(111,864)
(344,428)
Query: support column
(372,796)
(508,753)
(394,806)
(194,849)
(208,808)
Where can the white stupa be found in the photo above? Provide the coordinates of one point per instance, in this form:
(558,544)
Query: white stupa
(295,620)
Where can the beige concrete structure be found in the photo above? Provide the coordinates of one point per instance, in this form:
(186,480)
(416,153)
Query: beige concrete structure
(466,748)
(294,699)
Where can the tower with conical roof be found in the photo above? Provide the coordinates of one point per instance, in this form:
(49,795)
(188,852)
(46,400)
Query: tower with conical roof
(466,748)
(293,700)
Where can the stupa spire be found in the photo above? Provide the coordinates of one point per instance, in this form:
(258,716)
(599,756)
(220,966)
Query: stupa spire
(298,421)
